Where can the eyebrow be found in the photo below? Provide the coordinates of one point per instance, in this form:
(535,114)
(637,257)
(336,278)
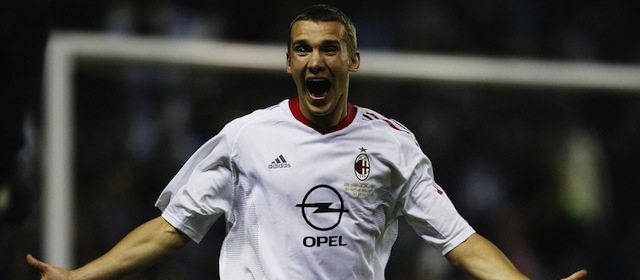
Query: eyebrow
(324,42)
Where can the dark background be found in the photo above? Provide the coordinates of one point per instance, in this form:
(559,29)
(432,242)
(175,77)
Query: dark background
(548,174)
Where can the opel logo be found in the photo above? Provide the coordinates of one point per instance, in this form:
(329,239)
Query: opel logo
(322,208)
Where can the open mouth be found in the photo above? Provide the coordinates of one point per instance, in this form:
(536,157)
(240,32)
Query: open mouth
(318,88)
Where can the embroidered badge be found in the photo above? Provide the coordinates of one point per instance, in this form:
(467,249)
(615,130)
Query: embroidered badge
(362,165)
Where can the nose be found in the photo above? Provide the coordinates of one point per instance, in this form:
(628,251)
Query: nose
(316,62)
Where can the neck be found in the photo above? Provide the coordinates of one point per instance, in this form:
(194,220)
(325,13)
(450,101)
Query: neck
(330,120)
(343,121)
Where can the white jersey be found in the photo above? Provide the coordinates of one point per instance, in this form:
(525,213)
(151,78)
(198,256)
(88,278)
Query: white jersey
(306,203)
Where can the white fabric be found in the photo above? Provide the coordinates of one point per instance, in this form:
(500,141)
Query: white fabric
(293,202)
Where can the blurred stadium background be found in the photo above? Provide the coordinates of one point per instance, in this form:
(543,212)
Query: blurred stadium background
(548,172)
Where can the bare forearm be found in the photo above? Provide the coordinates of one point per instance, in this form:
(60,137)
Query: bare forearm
(483,260)
(141,248)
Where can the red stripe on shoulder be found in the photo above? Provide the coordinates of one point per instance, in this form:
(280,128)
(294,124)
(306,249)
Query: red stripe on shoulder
(392,124)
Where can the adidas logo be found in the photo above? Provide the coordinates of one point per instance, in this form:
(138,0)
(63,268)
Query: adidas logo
(279,162)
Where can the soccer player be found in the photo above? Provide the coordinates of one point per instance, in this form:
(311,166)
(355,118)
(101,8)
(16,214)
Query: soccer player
(310,188)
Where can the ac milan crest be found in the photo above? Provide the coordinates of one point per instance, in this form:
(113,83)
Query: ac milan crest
(362,165)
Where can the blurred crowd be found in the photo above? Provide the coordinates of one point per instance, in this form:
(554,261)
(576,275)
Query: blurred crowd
(567,30)
(548,174)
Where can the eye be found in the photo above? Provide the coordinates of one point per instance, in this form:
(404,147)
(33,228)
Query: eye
(301,49)
(331,49)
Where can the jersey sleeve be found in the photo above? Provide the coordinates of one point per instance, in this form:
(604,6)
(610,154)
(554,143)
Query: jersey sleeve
(425,205)
(201,191)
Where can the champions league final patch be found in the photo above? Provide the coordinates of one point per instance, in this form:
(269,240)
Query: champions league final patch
(362,165)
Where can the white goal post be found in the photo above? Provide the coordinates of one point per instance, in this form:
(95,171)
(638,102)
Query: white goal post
(65,49)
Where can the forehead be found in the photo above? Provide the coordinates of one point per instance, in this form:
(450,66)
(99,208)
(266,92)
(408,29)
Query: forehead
(311,31)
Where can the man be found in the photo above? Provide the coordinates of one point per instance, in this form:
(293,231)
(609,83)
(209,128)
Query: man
(310,188)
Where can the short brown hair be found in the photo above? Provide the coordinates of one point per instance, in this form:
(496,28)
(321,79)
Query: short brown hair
(326,13)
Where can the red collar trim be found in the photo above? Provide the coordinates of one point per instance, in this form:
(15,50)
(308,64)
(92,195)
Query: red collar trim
(295,109)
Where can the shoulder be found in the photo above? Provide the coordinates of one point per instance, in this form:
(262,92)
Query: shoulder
(383,125)
(273,113)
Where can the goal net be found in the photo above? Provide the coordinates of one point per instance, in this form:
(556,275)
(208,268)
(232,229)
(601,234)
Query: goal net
(66,50)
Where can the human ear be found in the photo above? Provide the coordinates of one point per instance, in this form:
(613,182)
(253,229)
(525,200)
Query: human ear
(355,62)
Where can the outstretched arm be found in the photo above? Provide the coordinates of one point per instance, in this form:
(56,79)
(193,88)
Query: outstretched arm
(144,246)
(483,260)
